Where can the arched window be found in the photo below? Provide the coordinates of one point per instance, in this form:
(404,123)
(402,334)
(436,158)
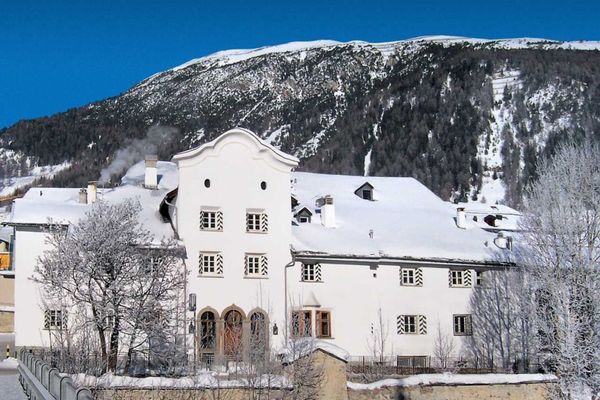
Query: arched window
(208,331)
(233,334)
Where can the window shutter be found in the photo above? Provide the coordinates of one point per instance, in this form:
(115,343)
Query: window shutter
(219,220)
(264,268)
(264,222)
(450,278)
(64,319)
(419,277)
(422,325)
(246,265)
(200,263)
(201,220)
(317,272)
(400,325)
(468,325)
(47,319)
(319,319)
(219,264)
(467,278)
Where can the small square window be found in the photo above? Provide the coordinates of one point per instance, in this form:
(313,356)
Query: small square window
(211,220)
(479,279)
(408,276)
(460,278)
(53,319)
(462,325)
(410,324)
(311,272)
(256,222)
(256,265)
(367,194)
(210,264)
(253,265)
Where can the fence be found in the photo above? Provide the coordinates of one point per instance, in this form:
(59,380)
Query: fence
(41,382)
(411,365)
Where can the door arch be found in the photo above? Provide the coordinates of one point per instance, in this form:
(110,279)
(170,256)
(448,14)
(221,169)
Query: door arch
(233,334)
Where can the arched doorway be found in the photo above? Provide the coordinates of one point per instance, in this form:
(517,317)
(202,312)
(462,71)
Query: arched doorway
(259,335)
(232,335)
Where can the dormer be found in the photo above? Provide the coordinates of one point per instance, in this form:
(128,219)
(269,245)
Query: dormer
(365,191)
(303,216)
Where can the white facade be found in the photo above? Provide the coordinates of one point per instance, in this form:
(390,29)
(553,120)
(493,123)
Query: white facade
(229,202)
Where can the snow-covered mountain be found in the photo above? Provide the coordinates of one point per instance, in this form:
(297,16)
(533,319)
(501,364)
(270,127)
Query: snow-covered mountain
(468,117)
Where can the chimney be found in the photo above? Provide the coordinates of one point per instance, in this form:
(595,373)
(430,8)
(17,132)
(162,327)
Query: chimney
(328,212)
(83,196)
(151,176)
(461,218)
(91,192)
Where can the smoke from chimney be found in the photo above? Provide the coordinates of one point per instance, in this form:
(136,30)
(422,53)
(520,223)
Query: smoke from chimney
(124,158)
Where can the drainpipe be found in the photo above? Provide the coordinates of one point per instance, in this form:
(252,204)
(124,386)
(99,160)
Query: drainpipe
(288,265)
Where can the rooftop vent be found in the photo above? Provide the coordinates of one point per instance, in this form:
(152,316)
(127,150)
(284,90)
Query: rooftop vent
(91,192)
(461,218)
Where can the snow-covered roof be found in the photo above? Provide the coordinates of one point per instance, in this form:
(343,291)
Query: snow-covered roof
(62,204)
(477,212)
(407,221)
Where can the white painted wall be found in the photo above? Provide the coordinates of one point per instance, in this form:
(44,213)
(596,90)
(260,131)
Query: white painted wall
(29,244)
(354,295)
(236,166)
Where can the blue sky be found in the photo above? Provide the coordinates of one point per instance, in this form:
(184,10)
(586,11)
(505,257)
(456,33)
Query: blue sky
(55,55)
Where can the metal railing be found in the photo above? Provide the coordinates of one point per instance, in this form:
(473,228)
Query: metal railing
(411,365)
(41,382)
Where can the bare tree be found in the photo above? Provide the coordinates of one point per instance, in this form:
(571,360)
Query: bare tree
(502,310)
(111,268)
(444,347)
(561,235)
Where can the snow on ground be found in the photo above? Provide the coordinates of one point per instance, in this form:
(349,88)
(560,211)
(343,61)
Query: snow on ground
(10,185)
(9,363)
(203,379)
(452,379)
(10,388)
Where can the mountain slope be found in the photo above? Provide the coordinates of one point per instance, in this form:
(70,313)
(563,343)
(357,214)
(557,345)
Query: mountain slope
(467,117)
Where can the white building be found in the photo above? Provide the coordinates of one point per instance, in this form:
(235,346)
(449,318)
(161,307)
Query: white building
(341,258)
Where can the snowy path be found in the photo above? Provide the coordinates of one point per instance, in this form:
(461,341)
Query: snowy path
(10,388)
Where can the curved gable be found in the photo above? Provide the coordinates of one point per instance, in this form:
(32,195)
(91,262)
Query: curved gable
(242,136)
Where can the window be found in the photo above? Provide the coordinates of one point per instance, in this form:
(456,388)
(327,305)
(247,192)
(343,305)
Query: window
(211,220)
(301,323)
(323,325)
(479,279)
(367,194)
(304,220)
(210,264)
(311,272)
(154,265)
(411,276)
(462,325)
(207,330)
(259,336)
(256,222)
(256,265)
(459,278)
(411,325)
(54,319)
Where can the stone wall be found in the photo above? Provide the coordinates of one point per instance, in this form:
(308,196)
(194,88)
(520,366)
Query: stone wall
(524,391)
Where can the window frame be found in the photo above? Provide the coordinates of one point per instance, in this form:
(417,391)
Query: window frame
(464,323)
(320,321)
(310,272)
(479,278)
(407,324)
(409,276)
(253,261)
(301,321)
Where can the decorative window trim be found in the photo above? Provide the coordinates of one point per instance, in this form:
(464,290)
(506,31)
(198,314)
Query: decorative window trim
(54,319)
(204,263)
(459,278)
(211,219)
(257,221)
(411,277)
(462,325)
(311,273)
(256,265)
(411,325)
